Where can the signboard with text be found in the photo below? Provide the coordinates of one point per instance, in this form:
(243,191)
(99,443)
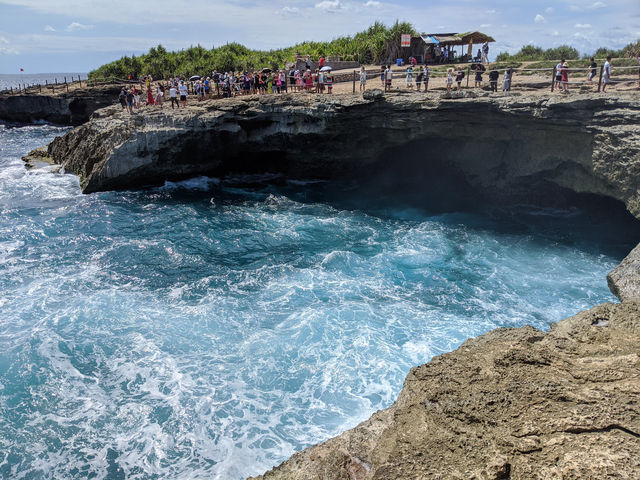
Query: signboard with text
(405,40)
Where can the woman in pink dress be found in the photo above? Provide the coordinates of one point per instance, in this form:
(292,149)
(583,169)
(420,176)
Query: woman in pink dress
(149,96)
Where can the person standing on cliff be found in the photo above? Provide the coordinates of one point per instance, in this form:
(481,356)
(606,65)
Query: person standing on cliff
(493,80)
(559,74)
(389,77)
(485,52)
(130,101)
(173,95)
(183,93)
(363,79)
(606,73)
(426,73)
(506,80)
(564,77)
(123,98)
(459,77)
(593,70)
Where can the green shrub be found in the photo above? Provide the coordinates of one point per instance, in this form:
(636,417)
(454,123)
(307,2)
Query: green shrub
(376,44)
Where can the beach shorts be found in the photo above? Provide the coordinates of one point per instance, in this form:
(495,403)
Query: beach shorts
(183,98)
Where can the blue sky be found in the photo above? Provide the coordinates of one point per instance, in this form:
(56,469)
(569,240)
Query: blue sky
(79,35)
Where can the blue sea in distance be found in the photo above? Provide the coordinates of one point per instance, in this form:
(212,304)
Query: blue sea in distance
(19,79)
(209,329)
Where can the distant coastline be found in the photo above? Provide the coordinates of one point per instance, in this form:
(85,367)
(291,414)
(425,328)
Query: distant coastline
(12,80)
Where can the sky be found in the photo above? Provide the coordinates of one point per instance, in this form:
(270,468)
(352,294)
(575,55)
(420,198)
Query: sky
(80,35)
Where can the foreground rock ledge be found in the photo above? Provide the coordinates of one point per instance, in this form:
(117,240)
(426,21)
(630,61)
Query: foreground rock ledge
(511,404)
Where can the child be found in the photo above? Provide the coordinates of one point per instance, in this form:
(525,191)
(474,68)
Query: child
(419,78)
(449,79)
(329,82)
(459,77)
(409,76)
(425,77)
(564,76)
(363,79)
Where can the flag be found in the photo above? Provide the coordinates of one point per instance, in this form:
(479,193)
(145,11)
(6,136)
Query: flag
(22,69)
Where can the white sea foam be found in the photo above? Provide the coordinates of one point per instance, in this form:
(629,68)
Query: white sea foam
(147,334)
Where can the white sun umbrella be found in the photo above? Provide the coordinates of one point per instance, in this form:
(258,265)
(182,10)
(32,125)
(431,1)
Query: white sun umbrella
(326,69)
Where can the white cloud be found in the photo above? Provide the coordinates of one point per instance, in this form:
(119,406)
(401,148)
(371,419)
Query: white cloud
(289,11)
(598,5)
(330,6)
(49,28)
(582,25)
(7,50)
(73,26)
(372,3)
(485,25)
(539,19)
(492,11)
(555,34)
(575,8)
(549,10)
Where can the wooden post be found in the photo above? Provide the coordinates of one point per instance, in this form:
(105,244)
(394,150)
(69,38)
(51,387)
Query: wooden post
(600,79)
(354,81)
(65,79)
(66,85)
(11,90)
(40,85)
(553,79)
(56,81)
(468,70)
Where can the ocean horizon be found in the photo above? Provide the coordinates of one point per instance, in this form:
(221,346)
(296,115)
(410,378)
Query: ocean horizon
(13,80)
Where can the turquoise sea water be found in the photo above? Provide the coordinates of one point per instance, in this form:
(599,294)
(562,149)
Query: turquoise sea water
(210,328)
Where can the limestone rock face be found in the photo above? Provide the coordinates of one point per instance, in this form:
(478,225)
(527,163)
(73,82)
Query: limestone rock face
(73,108)
(511,404)
(501,146)
(624,280)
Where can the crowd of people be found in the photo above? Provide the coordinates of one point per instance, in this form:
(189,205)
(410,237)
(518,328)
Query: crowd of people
(321,80)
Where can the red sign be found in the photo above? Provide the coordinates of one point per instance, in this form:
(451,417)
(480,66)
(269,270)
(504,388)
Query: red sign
(405,40)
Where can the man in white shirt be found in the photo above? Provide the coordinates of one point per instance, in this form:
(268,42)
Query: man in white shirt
(606,73)
(183,93)
(173,94)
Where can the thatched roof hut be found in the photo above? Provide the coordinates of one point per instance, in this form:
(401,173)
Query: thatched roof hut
(422,44)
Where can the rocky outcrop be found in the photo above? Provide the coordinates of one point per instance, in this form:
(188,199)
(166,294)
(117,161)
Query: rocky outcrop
(533,147)
(72,108)
(624,280)
(511,404)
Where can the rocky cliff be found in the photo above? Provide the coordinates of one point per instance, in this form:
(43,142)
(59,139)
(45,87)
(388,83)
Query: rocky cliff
(511,404)
(72,108)
(532,147)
